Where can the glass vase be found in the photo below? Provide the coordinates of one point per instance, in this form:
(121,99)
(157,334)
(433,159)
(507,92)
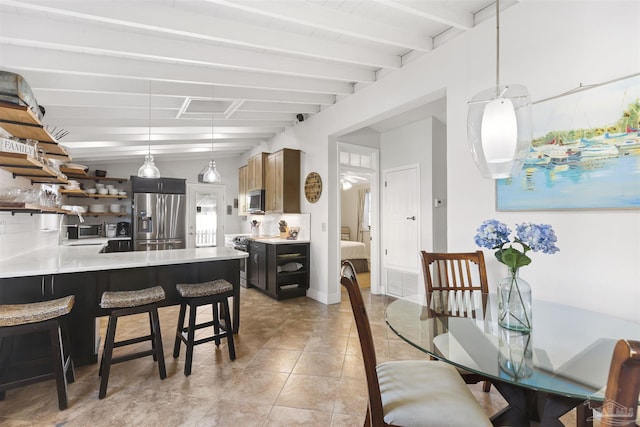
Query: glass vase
(514,303)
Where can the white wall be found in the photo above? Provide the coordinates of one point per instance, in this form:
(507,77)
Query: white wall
(23,232)
(546,47)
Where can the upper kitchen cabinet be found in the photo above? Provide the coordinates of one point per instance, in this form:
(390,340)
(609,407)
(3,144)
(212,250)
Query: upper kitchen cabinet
(242,190)
(158,185)
(282,187)
(256,172)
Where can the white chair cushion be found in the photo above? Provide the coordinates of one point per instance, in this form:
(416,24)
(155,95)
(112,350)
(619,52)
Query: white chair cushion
(420,393)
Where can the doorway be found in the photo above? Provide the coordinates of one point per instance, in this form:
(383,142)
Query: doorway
(359,204)
(205,215)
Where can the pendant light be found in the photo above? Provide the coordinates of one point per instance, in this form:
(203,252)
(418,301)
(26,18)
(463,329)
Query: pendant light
(499,129)
(210,174)
(148,168)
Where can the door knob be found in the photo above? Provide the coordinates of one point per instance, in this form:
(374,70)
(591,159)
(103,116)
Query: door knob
(412,218)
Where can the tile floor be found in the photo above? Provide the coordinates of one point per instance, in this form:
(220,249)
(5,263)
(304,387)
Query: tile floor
(298,363)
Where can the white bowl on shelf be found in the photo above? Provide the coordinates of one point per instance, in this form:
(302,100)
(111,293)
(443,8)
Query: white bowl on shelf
(115,208)
(97,208)
(99,186)
(113,191)
(91,191)
(103,191)
(122,193)
(110,186)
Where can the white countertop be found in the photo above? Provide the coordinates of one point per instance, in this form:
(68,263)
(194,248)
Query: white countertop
(74,259)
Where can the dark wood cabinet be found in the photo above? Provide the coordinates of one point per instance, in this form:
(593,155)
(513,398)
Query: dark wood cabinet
(158,185)
(279,270)
(257,269)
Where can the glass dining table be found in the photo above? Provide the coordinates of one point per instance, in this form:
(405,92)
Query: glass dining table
(562,364)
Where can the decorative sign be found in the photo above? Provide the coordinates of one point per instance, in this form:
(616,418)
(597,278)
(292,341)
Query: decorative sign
(313,187)
(10,146)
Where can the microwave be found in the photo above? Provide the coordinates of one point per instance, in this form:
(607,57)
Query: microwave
(255,201)
(84,231)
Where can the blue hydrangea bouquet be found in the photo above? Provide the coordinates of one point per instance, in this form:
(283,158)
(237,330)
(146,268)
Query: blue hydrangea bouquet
(514,293)
(493,234)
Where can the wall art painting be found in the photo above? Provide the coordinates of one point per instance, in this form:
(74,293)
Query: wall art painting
(585,152)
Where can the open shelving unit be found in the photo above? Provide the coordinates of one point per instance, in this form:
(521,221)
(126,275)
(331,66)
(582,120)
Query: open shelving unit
(30,208)
(29,168)
(20,122)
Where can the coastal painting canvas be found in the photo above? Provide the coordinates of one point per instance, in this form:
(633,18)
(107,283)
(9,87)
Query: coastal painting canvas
(585,153)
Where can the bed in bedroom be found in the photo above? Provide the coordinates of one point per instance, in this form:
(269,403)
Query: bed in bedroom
(356,252)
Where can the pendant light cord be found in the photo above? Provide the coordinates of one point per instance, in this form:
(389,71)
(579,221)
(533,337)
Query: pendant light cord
(497,43)
(149,136)
(212,118)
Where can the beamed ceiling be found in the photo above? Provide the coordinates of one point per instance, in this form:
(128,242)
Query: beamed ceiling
(118,74)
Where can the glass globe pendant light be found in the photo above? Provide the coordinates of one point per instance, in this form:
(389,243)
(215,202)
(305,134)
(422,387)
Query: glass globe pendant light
(148,168)
(499,125)
(210,174)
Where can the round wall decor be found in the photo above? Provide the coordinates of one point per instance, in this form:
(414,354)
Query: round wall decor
(313,187)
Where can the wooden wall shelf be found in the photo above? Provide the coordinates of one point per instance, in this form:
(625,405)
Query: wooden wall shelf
(30,168)
(31,208)
(20,122)
(93,177)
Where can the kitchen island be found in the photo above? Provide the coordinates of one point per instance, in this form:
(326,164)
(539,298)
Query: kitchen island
(83,271)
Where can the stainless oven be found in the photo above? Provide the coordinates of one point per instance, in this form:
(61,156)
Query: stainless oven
(240,243)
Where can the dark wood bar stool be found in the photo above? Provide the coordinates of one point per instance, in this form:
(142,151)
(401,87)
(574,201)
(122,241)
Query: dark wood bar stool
(197,294)
(22,319)
(126,303)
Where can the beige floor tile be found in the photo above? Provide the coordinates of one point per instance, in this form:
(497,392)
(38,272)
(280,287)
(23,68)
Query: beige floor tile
(281,416)
(352,396)
(256,387)
(222,413)
(275,359)
(322,364)
(288,341)
(309,392)
(345,420)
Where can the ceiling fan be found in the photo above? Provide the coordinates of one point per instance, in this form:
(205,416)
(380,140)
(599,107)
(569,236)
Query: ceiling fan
(347,180)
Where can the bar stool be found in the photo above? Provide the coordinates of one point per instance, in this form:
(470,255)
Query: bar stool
(22,319)
(126,303)
(197,294)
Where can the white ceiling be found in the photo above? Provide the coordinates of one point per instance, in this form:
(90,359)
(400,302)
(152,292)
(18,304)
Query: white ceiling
(97,65)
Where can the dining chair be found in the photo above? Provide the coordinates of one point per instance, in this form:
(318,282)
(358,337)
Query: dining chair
(453,272)
(620,408)
(410,392)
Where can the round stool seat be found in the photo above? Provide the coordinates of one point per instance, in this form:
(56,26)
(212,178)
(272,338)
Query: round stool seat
(205,289)
(21,314)
(123,299)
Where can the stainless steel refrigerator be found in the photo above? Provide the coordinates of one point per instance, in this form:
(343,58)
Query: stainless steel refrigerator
(158,217)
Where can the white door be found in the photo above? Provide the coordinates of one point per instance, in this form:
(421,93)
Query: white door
(401,201)
(205,215)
